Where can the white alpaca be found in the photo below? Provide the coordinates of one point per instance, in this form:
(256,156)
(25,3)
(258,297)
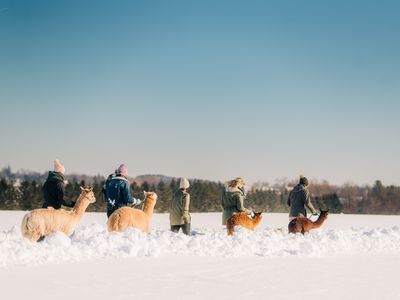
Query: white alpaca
(43,221)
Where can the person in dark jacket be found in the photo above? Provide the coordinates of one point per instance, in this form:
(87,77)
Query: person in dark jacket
(118,191)
(299,199)
(53,188)
(179,216)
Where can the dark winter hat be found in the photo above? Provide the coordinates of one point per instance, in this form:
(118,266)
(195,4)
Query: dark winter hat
(303,180)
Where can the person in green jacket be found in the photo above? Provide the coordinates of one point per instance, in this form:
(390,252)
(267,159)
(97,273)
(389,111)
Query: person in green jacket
(233,198)
(179,216)
(299,199)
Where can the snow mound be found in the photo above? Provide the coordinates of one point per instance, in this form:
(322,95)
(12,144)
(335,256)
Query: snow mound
(94,242)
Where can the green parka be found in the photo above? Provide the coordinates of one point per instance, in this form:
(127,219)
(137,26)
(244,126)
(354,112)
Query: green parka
(179,209)
(232,202)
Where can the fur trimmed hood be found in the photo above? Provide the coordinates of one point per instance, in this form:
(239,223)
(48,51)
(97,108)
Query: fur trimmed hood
(231,189)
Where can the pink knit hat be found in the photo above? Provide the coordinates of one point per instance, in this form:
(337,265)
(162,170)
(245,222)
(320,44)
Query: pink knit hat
(58,167)
(123,170)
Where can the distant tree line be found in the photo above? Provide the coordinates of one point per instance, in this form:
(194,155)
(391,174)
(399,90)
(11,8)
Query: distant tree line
(23,191)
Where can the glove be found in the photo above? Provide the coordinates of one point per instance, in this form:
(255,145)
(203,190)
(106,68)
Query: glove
(251,214)
(138,201)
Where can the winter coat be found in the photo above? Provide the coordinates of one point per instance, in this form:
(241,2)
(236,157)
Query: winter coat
(118,194)
(179,209)
(232,202)
(298,199)
(53,191)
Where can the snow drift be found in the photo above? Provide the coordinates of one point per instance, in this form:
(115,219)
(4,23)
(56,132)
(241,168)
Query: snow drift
(92,241)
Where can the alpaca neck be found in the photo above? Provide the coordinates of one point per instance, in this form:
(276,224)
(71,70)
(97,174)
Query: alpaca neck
(80,207)
(319,222)
(256,220)
(148,208)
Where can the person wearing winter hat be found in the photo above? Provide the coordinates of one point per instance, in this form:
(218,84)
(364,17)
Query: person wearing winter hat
(299,199)
(117,191)
(54,187)
(179,216)
(233,199)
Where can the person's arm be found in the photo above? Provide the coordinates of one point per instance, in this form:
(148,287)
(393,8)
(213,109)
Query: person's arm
(59,195)
(60,191)
(128,196)
(288,200)
(126,192)
(308,202)
(186,204)
(239,204)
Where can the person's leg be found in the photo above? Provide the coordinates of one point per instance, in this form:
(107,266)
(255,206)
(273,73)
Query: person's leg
(175,228)
(186,229)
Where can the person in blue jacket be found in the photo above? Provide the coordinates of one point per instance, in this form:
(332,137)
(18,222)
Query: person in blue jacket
(117,191)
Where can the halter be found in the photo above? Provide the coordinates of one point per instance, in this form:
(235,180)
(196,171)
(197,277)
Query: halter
(85,195)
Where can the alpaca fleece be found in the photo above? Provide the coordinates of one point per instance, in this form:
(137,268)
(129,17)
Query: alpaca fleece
(41,222)
(125,217)
(243,220)
(303,224)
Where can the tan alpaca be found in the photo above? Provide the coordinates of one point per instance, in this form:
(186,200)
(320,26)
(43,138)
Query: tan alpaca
(303,224)
(243,220)
(43,221)
(125,217)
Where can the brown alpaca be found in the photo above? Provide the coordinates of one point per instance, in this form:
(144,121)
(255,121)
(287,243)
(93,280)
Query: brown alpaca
(41,222)
(303,225)
(125,217)
(243,220)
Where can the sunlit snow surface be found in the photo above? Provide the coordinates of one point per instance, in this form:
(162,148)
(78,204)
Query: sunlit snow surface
(350,257)
(92,241)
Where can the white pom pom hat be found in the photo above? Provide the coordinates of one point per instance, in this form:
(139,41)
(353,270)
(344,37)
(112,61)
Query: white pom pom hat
(184,183)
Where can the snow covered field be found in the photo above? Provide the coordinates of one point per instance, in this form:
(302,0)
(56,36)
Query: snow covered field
(351,257)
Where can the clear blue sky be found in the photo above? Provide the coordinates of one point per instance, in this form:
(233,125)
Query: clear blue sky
(203,89)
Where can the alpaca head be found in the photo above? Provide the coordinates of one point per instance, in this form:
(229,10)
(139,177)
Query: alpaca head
(87,193)
(324,214)
(150,197)
(257,216)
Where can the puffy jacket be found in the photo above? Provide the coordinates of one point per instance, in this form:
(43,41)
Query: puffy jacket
(118,194)
(232,202)
(179,210)
(53,191)
(299,199)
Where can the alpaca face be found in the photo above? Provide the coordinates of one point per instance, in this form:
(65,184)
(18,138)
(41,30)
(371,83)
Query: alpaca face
(91,197)
(324,214)
(88,193)
(150,195)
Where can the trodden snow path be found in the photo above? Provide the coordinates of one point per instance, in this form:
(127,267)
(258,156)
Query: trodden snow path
(351,257)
